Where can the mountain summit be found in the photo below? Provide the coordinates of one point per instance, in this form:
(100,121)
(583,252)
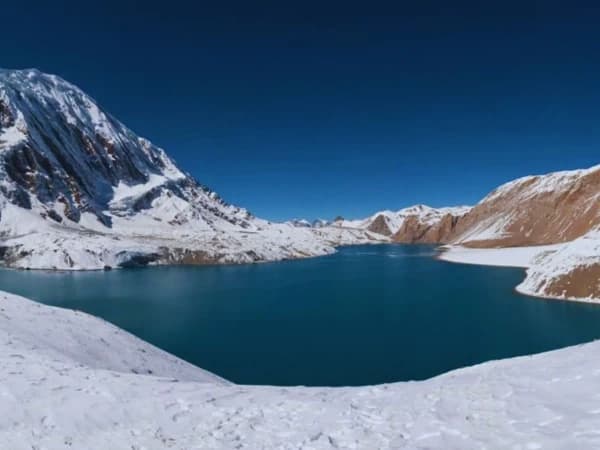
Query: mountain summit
(62,153)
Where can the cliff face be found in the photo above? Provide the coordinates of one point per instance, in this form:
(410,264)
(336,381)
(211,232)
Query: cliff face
(380,225)
(415,230)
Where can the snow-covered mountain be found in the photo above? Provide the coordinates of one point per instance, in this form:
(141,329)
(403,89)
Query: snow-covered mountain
(301,223)
(320,223)
(79,190)
(419,223)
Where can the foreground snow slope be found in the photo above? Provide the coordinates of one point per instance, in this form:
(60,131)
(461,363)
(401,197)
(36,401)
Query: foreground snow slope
(61,389)
(77,338)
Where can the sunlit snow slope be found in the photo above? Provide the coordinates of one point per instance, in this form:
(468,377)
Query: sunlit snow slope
(68,380)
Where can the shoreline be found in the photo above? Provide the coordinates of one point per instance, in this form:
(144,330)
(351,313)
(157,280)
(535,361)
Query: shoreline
(515,257)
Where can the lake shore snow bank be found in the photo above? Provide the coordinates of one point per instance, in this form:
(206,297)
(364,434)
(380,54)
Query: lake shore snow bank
(566,271)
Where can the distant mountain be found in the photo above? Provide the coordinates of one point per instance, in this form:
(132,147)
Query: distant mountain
(303,223)
(79,190)
(416,224)
(320,223)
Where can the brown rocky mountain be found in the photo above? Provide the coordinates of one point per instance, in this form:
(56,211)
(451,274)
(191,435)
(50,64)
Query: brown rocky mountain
(534,210)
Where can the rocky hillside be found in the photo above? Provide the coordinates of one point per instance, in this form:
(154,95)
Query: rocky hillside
(534,210)
(79,190)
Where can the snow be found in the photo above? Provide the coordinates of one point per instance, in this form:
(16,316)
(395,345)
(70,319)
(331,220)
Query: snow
(67,381)
(299,223)
(90,246)
(533,185)
(76,337)
(124,191)
(11,136)
(503,257)
(549,266)
(544,264)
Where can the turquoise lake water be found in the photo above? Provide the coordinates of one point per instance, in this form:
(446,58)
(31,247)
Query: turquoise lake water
(368,314)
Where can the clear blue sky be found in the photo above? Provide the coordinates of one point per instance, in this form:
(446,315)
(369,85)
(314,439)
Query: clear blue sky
(300,109)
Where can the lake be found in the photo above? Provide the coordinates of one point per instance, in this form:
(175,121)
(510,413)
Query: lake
(365,315)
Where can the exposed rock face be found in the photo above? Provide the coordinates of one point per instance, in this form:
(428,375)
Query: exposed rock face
(415,230)
(380,225)
(61,149)
(416,224)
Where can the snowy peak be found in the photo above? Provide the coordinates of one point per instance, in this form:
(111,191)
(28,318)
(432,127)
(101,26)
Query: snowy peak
(63,155)
(301,223)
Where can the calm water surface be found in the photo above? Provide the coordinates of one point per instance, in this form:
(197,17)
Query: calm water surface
(368,314)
